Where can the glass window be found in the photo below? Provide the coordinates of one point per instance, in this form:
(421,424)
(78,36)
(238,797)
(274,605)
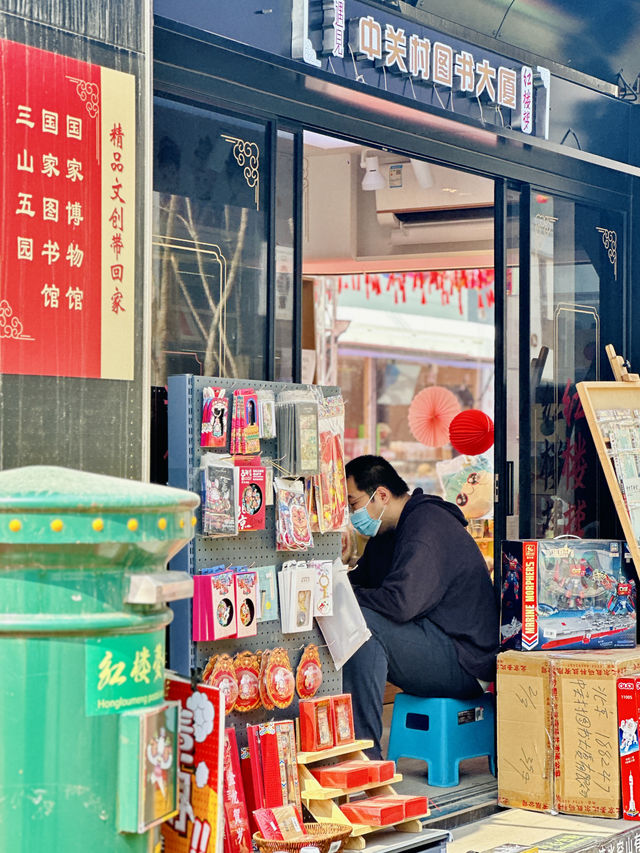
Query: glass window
(284,279)
(210,227)
(575,309)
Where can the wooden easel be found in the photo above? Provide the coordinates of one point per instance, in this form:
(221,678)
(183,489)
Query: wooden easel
(620,366)
(622,394)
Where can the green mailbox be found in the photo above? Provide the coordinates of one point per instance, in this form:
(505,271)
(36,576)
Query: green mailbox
(88,749)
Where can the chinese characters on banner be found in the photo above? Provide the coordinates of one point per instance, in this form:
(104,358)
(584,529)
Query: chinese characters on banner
(197,828)
(68,233)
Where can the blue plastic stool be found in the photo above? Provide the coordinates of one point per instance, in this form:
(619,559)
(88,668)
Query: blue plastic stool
(443,732)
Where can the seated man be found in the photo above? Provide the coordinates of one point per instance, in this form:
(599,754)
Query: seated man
(425,593)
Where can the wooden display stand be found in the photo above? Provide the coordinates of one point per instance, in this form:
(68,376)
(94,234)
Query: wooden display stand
(620,395)
(321,802)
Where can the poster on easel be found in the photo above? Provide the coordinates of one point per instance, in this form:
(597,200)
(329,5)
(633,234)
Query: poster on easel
(612,410)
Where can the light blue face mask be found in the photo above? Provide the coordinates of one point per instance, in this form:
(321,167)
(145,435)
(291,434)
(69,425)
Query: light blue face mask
(363,522)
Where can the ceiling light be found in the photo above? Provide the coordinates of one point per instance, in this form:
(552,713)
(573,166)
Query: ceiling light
(372,180)
(423,173)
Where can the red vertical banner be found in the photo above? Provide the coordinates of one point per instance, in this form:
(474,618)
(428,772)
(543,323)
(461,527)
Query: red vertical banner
(68,153)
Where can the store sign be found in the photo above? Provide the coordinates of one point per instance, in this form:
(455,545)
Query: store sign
(68,231)
(430,68)
(124,672)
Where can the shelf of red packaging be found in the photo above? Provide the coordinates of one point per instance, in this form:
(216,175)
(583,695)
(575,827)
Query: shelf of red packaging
(323,754)
(331,793)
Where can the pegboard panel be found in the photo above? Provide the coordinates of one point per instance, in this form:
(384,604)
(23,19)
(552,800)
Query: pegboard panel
(251,548)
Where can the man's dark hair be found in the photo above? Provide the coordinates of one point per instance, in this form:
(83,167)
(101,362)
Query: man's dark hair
(369,472)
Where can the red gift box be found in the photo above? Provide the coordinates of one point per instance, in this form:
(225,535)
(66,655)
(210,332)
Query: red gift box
(316,730)
(342,719)
(378,771)
(628,691)
(341,776)
(413,806)
(374,812)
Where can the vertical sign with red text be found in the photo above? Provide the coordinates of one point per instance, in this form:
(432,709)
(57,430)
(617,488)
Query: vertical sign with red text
(68,231)
(529,595)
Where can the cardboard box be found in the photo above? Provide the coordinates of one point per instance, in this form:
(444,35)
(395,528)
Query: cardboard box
(567,594)
(525,742)
(564,702)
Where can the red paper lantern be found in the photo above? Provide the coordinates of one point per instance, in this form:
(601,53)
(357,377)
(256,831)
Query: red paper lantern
(471,432)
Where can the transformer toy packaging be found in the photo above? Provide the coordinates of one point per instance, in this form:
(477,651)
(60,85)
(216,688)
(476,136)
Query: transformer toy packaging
(567,594)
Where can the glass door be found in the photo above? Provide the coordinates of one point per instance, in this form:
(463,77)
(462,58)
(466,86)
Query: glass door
(563,304)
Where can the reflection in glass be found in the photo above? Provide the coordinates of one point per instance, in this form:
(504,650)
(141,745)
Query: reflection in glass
(284,277)
(209,244)
(572,277)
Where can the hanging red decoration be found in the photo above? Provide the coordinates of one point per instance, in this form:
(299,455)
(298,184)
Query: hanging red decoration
(471,432)
(430,413)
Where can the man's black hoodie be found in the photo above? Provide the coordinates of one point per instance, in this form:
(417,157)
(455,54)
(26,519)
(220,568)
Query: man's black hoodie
(429,567)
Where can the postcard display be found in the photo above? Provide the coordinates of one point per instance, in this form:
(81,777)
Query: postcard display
(257,550)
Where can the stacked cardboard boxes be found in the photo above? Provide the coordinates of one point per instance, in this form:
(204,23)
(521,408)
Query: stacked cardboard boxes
(558,730)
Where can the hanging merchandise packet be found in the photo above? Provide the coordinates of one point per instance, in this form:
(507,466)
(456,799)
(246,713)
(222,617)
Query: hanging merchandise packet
(215,411)
(219,496)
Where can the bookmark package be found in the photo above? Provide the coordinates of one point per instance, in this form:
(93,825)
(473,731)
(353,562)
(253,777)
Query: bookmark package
(219,483)
(297,433)
(245,432)
(296,583)
(215,411)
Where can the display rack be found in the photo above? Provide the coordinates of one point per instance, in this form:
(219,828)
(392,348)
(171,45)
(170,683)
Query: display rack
(249,548)
(612,396)
(322,802)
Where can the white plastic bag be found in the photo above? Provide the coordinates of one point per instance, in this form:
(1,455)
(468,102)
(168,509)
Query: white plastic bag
(345,630)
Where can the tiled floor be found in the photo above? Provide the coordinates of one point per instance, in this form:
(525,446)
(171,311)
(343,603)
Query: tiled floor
(477,789)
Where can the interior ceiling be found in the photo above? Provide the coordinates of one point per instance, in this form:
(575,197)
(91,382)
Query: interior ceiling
(596,38)
(451,187)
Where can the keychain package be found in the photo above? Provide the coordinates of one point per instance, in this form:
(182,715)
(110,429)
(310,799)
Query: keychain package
(266,414)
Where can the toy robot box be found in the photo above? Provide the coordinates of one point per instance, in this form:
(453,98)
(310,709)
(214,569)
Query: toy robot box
(567,594)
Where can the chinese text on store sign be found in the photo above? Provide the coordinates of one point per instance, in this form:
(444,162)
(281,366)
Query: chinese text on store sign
(69,226)
(437,62)
(418,63)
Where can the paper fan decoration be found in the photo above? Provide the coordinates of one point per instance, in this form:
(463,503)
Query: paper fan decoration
(430,413)
(471,432)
